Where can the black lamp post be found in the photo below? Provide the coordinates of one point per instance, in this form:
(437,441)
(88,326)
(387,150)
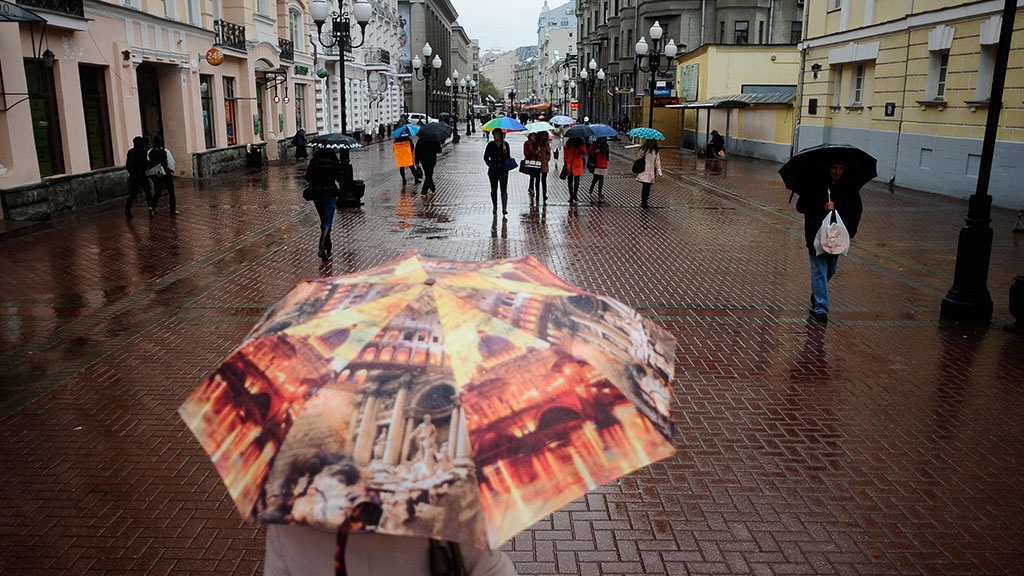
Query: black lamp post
(968,299)
(428,71)
(340,35)
(654,64)
(589,79)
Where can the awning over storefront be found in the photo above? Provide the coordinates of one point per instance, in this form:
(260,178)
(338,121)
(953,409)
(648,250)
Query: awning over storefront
(741,100)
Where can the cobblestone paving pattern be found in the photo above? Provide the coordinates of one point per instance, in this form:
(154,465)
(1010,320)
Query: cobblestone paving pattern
(884,443)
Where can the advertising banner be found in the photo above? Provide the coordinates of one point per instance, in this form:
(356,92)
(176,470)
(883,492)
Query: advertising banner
(688,82)
(404,39)
(403,154)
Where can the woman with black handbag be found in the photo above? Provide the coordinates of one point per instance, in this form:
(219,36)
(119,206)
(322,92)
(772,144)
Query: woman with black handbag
(597,162)
(647,170)
(498,158)
(322,175)
(542,153)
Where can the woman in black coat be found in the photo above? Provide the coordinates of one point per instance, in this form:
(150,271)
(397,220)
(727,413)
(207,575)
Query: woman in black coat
(496,156)
(322,175)
(426,158)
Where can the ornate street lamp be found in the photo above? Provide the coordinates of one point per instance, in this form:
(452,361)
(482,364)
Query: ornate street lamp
(340,35)
(428,71)
(654,54)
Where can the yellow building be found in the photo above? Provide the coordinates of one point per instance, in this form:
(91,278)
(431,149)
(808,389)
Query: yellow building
(909,82)
(745,92)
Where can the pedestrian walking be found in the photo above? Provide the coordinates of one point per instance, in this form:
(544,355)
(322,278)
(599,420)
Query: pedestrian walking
(542,152)
(834,193)
(497,156)
(573,154)
(158,155)
(322,174)
(652,168)
(299,140)
(597,162)
(412,152)
(426,158)
(528,155)
(136,164)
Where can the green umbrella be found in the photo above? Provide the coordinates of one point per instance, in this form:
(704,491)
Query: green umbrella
(540,127)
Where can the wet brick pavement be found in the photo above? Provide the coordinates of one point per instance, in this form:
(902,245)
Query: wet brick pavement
(883,443)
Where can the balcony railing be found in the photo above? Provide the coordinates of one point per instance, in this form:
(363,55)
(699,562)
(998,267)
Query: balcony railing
(287,49)
(377,56)
(69,7)
(230,35)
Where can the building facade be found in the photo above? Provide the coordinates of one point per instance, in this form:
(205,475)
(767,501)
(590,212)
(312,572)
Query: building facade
(211,78)
(557,59)
(609,29)
(429,22)
(909,82)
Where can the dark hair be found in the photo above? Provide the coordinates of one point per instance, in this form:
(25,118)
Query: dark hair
(324,153)
(139,142)
(651,144)
(158,141)
(499,131)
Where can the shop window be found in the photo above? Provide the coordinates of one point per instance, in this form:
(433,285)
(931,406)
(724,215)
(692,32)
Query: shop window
(97,116)
(300,107)
(45,121)
(206,100)
(229,110)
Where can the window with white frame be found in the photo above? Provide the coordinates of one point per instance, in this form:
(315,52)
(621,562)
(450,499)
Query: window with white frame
(940,40)
(857,85)
(988,40)
(195,14)
(295,27)
(171,9)
(835,4)
(837,84)
(263,7)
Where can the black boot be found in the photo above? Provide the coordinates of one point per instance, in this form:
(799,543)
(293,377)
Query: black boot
(322,249)
(327,242)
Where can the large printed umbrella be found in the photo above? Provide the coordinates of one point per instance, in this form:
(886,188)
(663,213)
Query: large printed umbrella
(646,133)
(435,132)
(505,123)
(334,141)
(810,167)
(468,399)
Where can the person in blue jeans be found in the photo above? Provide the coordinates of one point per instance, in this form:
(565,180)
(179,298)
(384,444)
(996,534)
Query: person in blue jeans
(322,175)
(814,204)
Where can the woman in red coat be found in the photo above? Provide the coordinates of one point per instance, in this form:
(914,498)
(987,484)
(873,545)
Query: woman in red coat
(599,159)
(575,150)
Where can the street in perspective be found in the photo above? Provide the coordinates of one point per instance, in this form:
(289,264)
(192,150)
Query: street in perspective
(603,288)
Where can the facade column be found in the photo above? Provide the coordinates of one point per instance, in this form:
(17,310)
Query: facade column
(453,429)
(17,156)
(407,438)
(367,426)
(462,449)
(397,428)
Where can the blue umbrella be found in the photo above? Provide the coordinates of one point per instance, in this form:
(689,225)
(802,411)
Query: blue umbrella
(562,120)
(604,131)
(407,130)
(646,133)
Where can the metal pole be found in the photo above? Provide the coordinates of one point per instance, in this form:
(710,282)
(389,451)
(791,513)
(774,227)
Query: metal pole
(342,50)
(654,62)
(968,299)
(426,89)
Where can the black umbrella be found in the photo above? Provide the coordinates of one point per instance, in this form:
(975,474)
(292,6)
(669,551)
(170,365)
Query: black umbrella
(810,167)
(435,132)
(579,131)
(334,141)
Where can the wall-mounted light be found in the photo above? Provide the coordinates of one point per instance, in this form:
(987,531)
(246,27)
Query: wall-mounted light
(815,68)
(277,99)
(48,58)
(126,55)
(286,98)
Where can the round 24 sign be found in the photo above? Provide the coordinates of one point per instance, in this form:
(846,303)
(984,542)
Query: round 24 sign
(214,56)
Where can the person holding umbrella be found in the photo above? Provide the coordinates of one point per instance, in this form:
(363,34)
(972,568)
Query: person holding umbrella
(827,177)
(542,152)
(833,193)
(652,168)
(402,153)
(496,157)
(322,175)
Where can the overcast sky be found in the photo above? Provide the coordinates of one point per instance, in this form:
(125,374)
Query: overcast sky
(501,24)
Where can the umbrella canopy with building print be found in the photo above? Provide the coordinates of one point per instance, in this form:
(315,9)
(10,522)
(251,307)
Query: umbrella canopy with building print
(334,141)
(809,168)
(469,399)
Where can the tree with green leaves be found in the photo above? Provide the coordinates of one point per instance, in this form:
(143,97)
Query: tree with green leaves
(487,89)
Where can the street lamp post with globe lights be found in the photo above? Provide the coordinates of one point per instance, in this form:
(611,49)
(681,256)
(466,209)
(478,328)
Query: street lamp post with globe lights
(430,67)
(654,53)
(340,35)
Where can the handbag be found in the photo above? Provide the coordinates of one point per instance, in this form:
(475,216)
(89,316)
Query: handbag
(565,171)
(156,171)
(832,236)
(639,165)
(530,167)
(307,193)
(417,172)
(510,164)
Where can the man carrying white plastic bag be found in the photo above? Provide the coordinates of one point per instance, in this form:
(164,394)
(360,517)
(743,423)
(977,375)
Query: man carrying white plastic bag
(826,239)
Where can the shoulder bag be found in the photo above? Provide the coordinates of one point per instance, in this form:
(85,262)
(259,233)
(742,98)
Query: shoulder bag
(640,165)
(530,167)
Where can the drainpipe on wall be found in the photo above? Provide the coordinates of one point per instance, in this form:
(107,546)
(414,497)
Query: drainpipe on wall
(703,8)
(800,93)
(771,18)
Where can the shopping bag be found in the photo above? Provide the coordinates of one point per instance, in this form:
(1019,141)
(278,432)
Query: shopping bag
(530,167)
(156,171)
(832,237)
